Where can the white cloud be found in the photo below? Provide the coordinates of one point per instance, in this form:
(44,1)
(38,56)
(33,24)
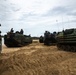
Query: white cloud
(35,16)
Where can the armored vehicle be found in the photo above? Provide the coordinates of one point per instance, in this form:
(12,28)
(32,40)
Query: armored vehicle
(16,39)
(66,40)
(49,38)
(41,39)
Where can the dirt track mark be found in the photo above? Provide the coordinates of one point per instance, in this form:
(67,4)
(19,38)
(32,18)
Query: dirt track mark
(37,59)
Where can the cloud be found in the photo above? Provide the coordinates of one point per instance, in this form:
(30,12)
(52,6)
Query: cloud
(60,10)
(36,16)
(72,13)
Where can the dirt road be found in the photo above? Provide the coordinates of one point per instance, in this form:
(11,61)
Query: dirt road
(37,59)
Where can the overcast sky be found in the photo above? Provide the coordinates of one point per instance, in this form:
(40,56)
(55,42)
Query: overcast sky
(36,16)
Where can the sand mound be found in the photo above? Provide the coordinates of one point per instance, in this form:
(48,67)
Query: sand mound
(37,59)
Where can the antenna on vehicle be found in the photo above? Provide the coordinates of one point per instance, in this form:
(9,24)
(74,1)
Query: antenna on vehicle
(68,23)
(57,25)
(62,23)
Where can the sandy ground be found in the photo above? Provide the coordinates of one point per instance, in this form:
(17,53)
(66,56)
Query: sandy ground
(37,59)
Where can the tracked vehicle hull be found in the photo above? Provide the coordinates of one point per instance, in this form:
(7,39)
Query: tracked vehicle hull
(17,40)
(41,39)
(49,39)
(66,40)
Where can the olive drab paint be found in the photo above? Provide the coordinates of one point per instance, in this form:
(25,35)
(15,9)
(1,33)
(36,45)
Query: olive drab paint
(66,40)
(17,39)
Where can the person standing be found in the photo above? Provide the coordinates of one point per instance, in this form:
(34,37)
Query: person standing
(11,30)
(21,32)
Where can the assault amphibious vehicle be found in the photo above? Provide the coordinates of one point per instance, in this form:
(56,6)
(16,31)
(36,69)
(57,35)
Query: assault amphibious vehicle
(16,39)
(66,40)
(41,39)
(49,38)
